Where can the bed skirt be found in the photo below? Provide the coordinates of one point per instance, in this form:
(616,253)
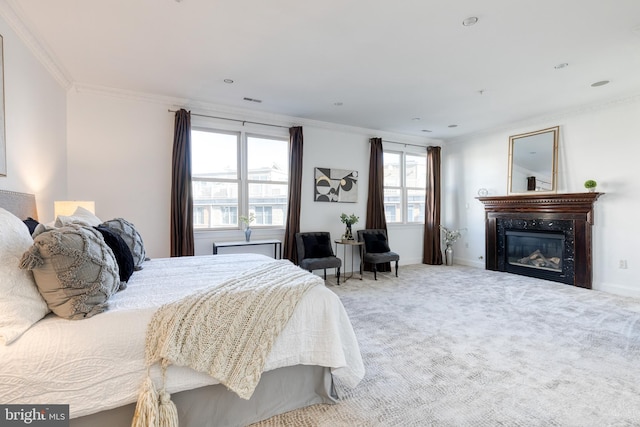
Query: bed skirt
(278,391)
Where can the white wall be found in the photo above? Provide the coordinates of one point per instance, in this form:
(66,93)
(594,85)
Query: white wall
(119,154)
(599,143)
(35,125)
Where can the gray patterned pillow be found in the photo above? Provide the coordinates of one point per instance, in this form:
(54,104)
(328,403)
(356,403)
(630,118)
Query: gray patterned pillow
(74,269)
(131,237)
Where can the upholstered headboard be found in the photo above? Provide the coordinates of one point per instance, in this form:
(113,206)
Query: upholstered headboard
(22,205)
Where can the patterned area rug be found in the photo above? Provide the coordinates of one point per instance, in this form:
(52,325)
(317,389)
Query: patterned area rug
(460,346)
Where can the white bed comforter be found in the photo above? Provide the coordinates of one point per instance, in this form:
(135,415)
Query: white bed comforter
(98,363)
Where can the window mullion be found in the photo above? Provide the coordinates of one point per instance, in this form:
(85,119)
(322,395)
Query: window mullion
(403,184)
(243,198)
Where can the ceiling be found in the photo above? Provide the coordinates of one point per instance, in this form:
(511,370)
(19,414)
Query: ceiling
(404,66)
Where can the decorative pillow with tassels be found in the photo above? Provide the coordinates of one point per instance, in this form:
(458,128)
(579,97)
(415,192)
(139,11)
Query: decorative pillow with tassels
(132,238)
(74,269)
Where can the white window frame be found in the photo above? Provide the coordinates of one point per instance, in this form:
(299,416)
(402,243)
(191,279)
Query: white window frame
(242,178)
(404,189)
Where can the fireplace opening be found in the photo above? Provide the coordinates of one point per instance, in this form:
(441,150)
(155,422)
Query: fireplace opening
(536,250)
(537,247)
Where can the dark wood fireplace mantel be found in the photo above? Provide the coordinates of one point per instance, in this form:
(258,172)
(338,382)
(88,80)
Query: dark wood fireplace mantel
(533,208)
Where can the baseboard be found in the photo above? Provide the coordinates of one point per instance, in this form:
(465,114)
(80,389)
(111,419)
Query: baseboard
(618,289)
(469,263)
(409,261)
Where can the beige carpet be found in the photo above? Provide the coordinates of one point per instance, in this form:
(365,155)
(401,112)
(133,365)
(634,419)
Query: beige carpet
(459,346)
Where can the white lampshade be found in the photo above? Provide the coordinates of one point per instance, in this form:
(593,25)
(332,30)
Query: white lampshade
(68,207)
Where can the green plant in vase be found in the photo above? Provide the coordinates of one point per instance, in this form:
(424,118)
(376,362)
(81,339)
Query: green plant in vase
(247,220)
(590,185)
(349,220)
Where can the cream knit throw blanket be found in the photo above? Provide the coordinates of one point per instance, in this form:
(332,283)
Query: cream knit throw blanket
(227,332)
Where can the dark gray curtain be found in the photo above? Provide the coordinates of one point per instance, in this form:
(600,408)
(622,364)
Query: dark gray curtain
(181,195)
(432,254)
(375,199)
(295,198)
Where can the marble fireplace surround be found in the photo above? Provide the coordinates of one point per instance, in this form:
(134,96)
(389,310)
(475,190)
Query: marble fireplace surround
(569,213)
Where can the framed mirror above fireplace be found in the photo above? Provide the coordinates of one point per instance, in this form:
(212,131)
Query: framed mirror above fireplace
(533,162)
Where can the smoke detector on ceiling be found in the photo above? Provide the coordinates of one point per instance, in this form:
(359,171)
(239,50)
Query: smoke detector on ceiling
(472,20)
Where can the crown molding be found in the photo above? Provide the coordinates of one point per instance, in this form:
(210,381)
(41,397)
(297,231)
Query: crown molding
(10,11)
(238,113)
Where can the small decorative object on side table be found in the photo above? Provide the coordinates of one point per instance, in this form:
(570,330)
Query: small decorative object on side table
(449,237)
(247,220)
(349,220)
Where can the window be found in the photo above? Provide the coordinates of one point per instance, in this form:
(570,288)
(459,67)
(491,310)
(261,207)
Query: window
(405,182)
(235,174)
(263,214)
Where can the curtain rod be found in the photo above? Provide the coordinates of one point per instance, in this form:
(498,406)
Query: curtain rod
(405,144)
(234,120)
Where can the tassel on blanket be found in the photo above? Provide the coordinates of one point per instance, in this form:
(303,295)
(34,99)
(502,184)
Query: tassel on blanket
(147,411)
(167,411)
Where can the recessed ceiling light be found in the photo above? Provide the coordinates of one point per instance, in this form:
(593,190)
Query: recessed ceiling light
(561,66)
(426,130)
(228,81)
(600,83)
(472,20)
(453,126)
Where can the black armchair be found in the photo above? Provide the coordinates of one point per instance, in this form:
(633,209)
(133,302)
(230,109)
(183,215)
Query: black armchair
(376,249)
(315,252)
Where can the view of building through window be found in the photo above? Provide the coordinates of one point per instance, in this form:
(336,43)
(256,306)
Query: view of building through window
(405,183)
(235,174)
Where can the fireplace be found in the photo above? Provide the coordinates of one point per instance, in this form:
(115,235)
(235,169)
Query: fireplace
(543,236)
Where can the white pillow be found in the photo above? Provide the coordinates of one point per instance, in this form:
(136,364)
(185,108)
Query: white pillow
(81,216)
(21,305)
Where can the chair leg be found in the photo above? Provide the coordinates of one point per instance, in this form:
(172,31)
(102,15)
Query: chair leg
(375,272)
(396,268)
(338,275)
(325,274)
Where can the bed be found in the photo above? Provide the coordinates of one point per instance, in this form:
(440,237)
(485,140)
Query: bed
(97,365)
